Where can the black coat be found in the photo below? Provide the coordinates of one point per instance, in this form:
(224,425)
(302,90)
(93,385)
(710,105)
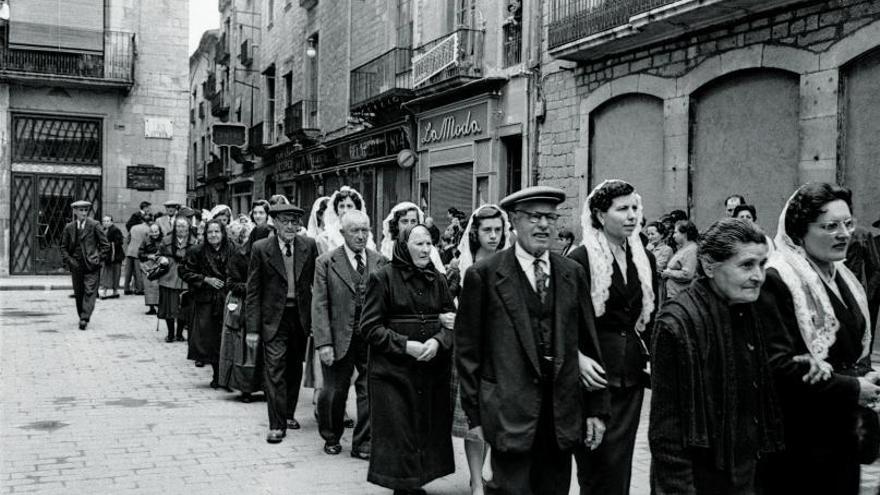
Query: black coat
(410,406)
(819,419)
(621,348)
(267,284)
(87,254)
(208,302)
(497,357)
(115,238)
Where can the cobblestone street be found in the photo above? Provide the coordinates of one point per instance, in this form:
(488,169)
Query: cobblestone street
(116,410)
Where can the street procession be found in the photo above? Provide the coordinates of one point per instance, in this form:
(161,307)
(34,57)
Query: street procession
(440,247)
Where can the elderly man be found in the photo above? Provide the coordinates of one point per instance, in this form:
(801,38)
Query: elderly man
(278,304)
(340,283)
(84,248)
(524,314)
(166,222)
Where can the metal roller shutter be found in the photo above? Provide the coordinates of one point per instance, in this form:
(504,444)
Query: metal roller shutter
(451,186)
(58,24)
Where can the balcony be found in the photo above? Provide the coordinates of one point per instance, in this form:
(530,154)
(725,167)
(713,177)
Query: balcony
(381,82)
(221,53)
(584,30)
(246,56)
(219,107)
(256,145)
(450,60)
(301,119)
(214,169)
(110,66)
(209,87)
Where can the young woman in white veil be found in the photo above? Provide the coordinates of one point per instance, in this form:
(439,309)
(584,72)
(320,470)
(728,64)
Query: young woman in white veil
(404,215)
(812,303)
(345,199)
(315,226)
(486,234)
(623,284)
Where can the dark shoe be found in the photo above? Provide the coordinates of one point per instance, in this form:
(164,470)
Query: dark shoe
(348,423)
(152,311)
(82,324)
(138,292)
(128,292)
(246,398)
(112,296)
(200,364)
(332,448)
(417,491)
(275,436)
(169,339)
(361,454)
(292,424)
(180,338)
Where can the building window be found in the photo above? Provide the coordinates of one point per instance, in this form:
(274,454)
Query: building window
(513,33)
(270,12)
(465,14)
(270,105)
(312,65)
(288,88)
(513,151)
(51,139)
(404,23)
(204,151)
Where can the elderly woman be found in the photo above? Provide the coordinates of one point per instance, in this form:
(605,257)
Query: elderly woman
(233,316)
(172,252)
(343,200)
(622,289)
(407,320)
(405,215)
(713,407)
(149,252)
(682,267)
(204,270)
(485,234)
(812,303)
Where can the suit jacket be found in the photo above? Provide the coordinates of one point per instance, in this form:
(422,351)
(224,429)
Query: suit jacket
(166,223)
(333,298)
(621,348)
(93,246)
(136,237)
(497,358)
(267,284)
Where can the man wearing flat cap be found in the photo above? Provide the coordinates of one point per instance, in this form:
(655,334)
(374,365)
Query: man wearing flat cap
(524,315)
(166,221)
(84,248)
(279,299)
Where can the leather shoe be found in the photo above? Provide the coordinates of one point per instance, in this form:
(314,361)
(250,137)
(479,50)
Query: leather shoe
(361,454)
(292,424)
(275,436)
(348,423)
(332,448)
(82,324)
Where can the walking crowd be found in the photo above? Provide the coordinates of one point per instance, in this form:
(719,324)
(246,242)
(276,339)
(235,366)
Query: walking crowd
(535,350)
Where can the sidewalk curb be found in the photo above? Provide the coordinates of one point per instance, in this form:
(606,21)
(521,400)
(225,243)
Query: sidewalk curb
(36,287)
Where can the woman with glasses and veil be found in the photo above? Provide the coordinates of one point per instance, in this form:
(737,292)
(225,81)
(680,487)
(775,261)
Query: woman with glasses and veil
(623,284)
(812,303)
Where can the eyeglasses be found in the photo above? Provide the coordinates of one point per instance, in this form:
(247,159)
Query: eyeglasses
(536,216)
(287,221)
(847,225)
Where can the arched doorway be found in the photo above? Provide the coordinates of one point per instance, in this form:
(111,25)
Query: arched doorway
(860,128)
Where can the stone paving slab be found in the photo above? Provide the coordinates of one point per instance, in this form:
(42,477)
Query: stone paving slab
(114,409)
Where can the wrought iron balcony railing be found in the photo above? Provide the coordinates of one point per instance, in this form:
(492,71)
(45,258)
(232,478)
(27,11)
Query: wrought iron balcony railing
(300,117)
(219,107)
(571,20)
(455,55)
(387,72)
(113,66)
(221,53)
(209,87)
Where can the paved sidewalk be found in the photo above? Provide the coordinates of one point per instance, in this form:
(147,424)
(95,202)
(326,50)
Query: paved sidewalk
(116,410)
(36,282)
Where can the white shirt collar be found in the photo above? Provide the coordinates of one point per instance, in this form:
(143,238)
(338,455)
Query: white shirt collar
(526,260)
(281,243)
(350,254)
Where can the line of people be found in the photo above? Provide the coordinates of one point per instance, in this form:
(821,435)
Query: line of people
(757,351)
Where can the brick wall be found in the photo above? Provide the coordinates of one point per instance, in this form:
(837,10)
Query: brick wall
(812,26)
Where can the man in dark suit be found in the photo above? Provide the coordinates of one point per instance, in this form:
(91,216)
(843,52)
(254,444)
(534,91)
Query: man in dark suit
(279,298)
(340,283)
(524,314)
(84,248)
(138,216)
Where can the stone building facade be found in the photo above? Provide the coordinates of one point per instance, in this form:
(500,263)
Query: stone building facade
(93,106)
(692,101)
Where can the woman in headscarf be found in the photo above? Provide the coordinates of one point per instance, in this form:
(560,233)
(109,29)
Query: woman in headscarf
(343,200)
(404,215)
(204,270)
(714,410)
(315,226)
(407,320)
(149,251)
(623,284)
(173,250)
(231,336)
(812,303)
(222,214)
(485,235)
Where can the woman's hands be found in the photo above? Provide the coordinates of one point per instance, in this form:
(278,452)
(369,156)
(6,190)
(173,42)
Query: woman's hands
(447,320)
(214,282)
(423,352)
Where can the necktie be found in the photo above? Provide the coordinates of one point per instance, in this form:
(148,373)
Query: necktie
(540,279)
(287,251)
(360,263)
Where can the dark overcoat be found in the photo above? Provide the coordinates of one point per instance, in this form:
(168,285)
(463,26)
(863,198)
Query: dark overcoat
(93,247)
(497,356)
(207,302)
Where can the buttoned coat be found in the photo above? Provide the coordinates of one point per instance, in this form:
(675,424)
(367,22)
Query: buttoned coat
(497,356)
(333,298)
(267,284)
(93,245)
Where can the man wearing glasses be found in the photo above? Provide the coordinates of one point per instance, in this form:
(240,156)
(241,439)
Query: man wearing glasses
(524,314)
(279,298)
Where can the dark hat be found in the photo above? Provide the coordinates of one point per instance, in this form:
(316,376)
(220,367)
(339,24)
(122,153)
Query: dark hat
(81,204)
(187,212)
(172,202)
(280,209)
(534,193)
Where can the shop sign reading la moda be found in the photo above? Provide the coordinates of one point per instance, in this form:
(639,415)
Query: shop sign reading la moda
(454,125)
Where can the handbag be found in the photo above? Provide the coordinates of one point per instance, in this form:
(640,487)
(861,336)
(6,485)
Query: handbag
(867,422)
(154,270)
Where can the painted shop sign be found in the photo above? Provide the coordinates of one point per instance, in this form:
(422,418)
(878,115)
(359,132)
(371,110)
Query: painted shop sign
(463,124)
(386,144)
